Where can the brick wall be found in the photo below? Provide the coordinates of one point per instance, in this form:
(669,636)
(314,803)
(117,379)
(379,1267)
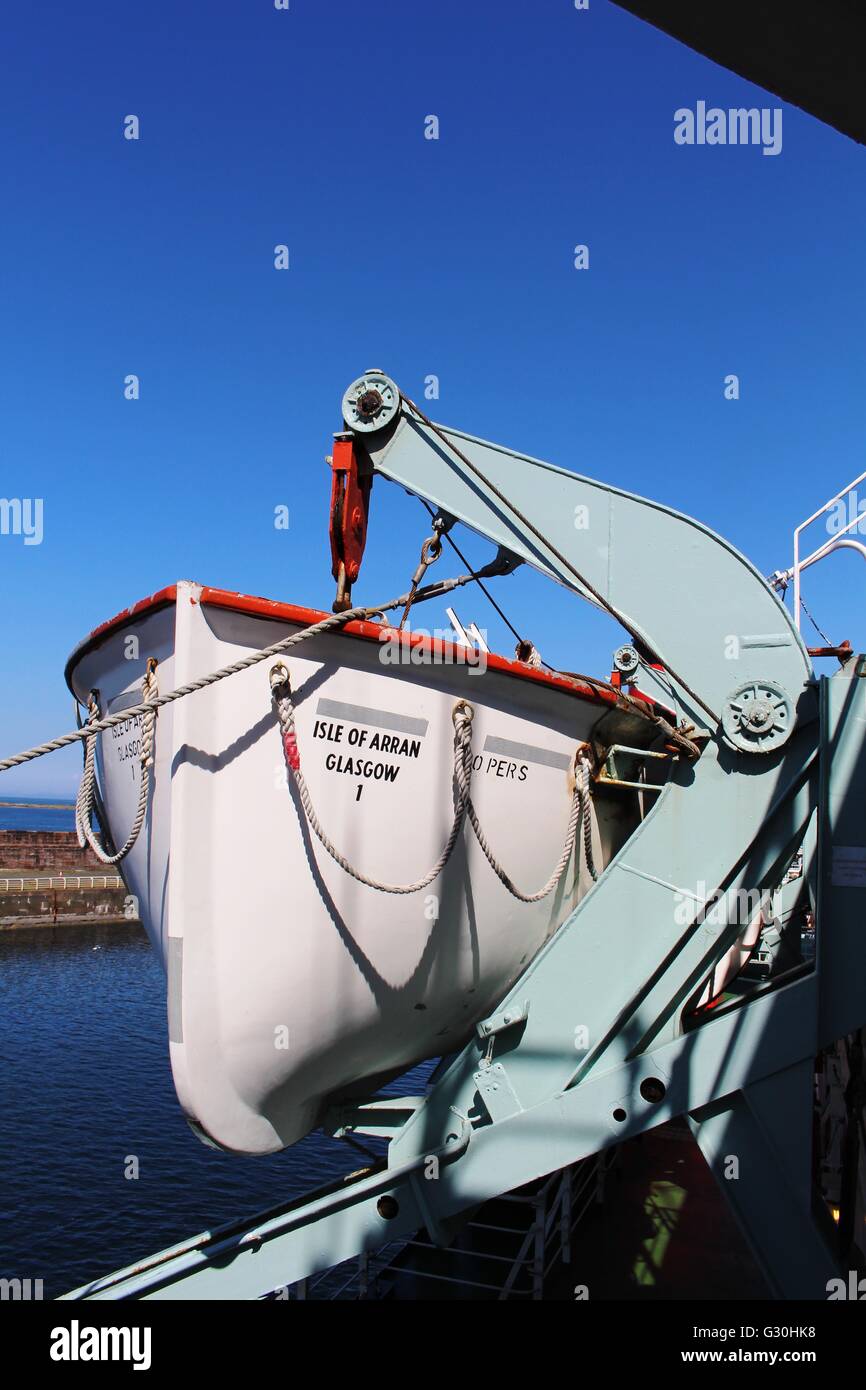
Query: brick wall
(50,851)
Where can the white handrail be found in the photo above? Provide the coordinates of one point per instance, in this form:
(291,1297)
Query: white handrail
(828,546)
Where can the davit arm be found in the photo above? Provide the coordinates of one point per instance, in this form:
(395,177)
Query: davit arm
(690,599)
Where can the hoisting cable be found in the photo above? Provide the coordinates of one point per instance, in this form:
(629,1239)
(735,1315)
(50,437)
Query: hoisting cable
(814,624)
(485,591)
(539,535)
(430,552)
(779,581)
(594,682)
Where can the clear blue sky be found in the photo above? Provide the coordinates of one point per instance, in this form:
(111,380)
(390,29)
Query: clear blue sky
(451,257)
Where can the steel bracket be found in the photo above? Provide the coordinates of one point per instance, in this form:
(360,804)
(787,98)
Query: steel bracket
(500,1022)
(496,1092)
(380,1118)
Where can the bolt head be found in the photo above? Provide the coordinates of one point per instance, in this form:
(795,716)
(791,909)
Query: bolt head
(369,403)
(759,714)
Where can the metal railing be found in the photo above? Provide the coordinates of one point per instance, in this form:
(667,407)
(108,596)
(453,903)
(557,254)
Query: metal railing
(836,542)
(555,1209)
(34,883)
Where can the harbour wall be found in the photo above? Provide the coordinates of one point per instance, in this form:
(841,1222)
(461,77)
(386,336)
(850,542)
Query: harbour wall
(47,879)
(50,851)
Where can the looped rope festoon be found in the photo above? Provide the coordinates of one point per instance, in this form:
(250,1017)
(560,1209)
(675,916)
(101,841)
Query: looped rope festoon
(580,811)
(462,716)
(87,790)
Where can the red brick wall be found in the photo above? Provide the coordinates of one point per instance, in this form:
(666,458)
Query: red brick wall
(46,850)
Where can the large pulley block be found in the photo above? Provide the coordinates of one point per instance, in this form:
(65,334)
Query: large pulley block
(371,402)
(350,501)
(758,717)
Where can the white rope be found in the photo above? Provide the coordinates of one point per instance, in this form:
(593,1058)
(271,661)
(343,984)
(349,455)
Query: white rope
(153,702)
(462,716)
(87,790)
(276,649)
(582,771)
(324,625)
(580,810)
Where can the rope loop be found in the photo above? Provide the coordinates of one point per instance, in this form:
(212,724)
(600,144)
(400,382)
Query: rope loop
(462,716)
(279,675)
(86,798)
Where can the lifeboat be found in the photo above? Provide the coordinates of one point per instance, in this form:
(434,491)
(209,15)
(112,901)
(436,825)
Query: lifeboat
(308,953)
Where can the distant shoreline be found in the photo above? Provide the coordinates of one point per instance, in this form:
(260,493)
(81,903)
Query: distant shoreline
(38,805)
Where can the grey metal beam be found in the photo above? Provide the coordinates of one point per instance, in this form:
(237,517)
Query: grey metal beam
(724,1057)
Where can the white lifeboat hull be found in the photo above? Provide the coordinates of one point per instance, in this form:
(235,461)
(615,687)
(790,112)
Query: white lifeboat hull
(289,982)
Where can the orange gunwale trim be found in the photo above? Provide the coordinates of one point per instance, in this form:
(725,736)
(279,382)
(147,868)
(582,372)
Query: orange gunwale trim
(304,617)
